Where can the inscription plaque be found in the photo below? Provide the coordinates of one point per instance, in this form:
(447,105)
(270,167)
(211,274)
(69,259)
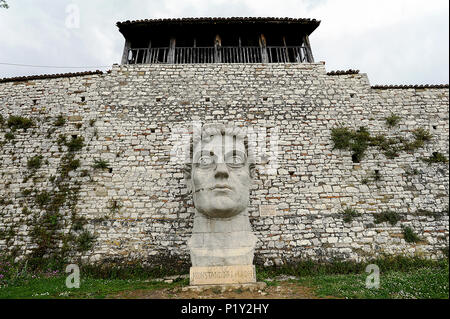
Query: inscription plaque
(222,275)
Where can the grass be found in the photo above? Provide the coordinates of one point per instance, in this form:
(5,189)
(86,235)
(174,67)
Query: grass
(424,283)
(90,288)
(400,277)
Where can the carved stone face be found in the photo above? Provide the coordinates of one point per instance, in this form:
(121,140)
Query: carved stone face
(220,177)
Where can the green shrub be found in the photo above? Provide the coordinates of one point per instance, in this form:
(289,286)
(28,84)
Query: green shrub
(409,235)
(78,223)
(60,121)
(9,136)
(348,214)
(2,121)
(355,141)
(358,141)
(18,122)
(27,192)
(85,241)
(75,144)
(422,135)
(92,122)
(114,206)
(393,120)
(62,139)
(387,216)
(436,158)
(68,164)
(100,164)
(26,211)
(34,162)
(42,199)
(341,137)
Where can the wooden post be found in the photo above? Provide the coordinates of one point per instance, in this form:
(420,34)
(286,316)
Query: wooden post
(126,52)
(285,53)
(172,45)
(147,58)
(308,48)
(263,45)
(217,47)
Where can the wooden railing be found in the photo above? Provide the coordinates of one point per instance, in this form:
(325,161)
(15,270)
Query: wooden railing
(190,55)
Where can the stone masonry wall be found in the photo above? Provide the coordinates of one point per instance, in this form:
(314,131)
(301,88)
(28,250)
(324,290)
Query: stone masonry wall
(138,208)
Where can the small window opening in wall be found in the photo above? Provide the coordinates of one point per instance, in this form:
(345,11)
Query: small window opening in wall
(265,99)
(34,102)
(434,127)
(355,158)
(207,99)
(74,136)
(110,170)
(83,99)
(153,130)
(158,99)
(291,173)
(352,95)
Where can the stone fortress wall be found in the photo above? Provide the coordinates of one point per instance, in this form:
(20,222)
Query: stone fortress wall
(137,208)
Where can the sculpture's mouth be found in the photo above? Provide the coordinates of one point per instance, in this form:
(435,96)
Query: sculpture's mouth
(221,187)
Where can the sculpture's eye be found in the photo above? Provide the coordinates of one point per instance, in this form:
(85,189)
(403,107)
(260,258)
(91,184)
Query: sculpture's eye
(237,160)
(205,161)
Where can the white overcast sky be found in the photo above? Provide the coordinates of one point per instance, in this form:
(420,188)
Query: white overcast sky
(393,41)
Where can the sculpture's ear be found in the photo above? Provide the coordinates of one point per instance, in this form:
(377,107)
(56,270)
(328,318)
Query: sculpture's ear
(187,170)
(252,170)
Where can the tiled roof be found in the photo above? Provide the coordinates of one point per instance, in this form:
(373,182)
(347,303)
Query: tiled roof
(219,20)
(48,76)
(343,72)
(426,86)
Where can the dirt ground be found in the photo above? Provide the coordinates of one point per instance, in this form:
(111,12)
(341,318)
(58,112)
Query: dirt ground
(283,290)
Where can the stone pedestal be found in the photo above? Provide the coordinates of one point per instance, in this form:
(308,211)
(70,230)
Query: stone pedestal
(222,241)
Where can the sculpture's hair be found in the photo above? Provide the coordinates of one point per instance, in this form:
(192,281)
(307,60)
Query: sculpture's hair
(209,131)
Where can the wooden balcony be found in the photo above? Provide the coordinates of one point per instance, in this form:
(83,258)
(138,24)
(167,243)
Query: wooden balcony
(195,55)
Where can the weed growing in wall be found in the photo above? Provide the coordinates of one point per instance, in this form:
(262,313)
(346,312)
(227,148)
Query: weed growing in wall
(393,120)
(75,144)
(19,122)
(409,235)
(436,158)
(348,214)
(360,140)
(34,163)
(9,136)
(387,216)
(56,231)
(114,206)
(100,164)
(60,121)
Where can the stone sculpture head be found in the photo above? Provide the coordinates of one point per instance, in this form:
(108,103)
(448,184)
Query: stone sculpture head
(221,171)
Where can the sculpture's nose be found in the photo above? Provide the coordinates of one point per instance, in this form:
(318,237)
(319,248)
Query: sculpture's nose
(221,171)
